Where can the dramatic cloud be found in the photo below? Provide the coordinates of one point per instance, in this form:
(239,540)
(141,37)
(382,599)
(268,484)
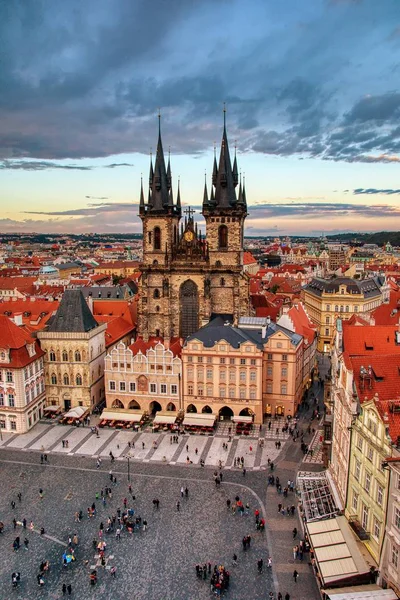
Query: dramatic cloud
(44,165)
(84,80)
(375,191)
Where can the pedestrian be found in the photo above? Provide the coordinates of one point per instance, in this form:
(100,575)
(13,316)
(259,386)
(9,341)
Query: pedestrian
(45,458)
(64,589)
(294,532)
(234,560)
(186,492)
(41,459)
(187,447)
(196,451)
(26,543)
(244,472)
(260,564)
(270,563)
(113,571)
(12,504)
(228,504)
(142,445)
(279,596)
(19,495)
(15,523)
(178,506)
(182,492)
(69,589)
(118,534)
(287,596)
(295,575)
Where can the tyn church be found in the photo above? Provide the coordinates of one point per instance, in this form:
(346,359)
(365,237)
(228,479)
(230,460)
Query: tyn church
(188,278)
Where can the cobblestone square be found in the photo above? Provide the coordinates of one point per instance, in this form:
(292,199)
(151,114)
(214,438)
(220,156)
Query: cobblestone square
(157,564)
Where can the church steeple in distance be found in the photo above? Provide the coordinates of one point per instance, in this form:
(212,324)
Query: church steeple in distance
(160,199)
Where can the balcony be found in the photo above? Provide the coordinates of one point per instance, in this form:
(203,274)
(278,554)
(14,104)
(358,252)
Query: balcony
(359,530)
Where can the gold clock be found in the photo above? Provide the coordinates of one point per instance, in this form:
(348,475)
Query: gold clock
(189,236)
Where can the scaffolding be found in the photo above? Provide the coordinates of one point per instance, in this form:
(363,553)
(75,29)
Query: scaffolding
(316,496)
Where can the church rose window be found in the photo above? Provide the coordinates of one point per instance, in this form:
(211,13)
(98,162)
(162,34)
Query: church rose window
(189,308)
(223,236)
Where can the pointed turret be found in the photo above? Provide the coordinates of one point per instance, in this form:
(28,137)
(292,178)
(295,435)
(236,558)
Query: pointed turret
(225,195)
(244,200)
(215,168)
(151,175)
(142,208)
(158,178)
(235,170)
(205,193)
(169,177)
(240,196)
(178,197)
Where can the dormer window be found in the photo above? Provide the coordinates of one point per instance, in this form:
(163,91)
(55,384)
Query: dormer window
(4,356)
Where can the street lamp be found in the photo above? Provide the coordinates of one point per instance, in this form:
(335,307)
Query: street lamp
(129,470)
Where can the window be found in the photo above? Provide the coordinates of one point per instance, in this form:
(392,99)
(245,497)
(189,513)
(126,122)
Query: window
(379,495)
(328,307)
(122,386)
(163,388)
(269,371)
(355,501)
(370,454)
(269,388)
(252,394)
(199,359)
(357,470)
(283,389)
(242,375)
(200,390)
(132,386)
(376,529)
(356,309)
(222,375)
(209,373)
(359,443)
(223,236)
(231,361)
(153,388)
(209,359)
(253,375)
(13,425)
(242,361)
(284,357)
(336,308)
(222,392)
(253,362)
(9,377)
(11,400)
(52,356)
(231,392)
(174,389)
(364,520)
(1,399)
(284,372)
(2,423)
(157,238)
(396,518)
(111,386)
(221,361)
(156,294)
(190,373)
(54,379)
(326,330)
(242,393)
(190,358)
(66,379)
(200,374)
(398,482)
(65,356)
(279,344)
(232,375)
(269,356)
(190,390)
(347,309)
(77,356)
(394,557)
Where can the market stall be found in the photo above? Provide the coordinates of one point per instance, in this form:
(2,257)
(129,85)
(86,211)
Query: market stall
(244,424)
(52,411)
(122,419)
(74,416)
(202,423)
(165,420)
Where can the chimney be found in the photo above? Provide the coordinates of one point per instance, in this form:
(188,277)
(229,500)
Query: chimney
(263,331)
(18,320)
(268,320)
(285,310)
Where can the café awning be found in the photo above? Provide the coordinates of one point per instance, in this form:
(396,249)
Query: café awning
(199,419)
(336,552)
(167,417)
(76,413)
(52,408)
(361,592)
(242,419)
(115,414)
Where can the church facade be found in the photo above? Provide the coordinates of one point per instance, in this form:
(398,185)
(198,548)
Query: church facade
(187,278)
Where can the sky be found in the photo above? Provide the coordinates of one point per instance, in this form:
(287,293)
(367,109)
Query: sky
(312,93)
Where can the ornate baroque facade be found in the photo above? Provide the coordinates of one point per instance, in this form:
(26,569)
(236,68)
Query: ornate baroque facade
(187,277)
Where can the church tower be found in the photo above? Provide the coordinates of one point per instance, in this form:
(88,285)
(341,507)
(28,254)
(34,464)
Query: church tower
(224,213)
(187,279)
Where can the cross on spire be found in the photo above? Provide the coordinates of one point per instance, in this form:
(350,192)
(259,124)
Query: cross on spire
(189,211)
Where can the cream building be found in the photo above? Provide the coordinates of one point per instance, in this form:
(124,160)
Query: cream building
(144,376)
(22,388)
(390,560)
(74,344)
(326,300)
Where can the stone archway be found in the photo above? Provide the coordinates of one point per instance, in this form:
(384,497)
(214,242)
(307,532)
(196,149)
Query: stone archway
(133,405)
(191,409)
(154,407)
(171,407)
(246,412)
(117,404)
(225,413)
(189,308)
(206,409)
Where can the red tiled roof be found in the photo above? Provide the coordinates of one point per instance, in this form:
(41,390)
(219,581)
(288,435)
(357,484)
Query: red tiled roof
(34,313)
(369,340)
(248,259)
(268,311)
(141,346)
(302,323)
(15,339)
(388,314)
(21,283)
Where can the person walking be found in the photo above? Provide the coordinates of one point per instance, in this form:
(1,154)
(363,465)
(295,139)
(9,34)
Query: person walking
(118,534)
(244,472)
(234,560)
(113,572)
(269,562)
(287,596)
(294,532)
(69,589)
(295,575)
(64,589)
(178,506)
(260,564)
(26,543)
(182,492)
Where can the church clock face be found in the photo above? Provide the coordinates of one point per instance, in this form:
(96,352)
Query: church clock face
(189,236)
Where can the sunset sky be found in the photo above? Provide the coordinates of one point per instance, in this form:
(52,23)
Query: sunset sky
(312,89)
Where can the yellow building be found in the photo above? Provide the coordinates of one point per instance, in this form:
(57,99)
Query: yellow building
(368,480)
(325,300)
(119,268)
